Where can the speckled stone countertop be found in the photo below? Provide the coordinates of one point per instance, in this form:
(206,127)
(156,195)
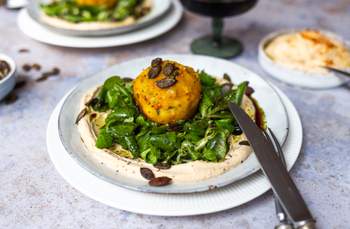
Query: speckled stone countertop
(34,195)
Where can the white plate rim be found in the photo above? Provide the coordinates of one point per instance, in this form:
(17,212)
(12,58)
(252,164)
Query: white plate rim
(296,77)
(175,204)
(39,33)
(249,166)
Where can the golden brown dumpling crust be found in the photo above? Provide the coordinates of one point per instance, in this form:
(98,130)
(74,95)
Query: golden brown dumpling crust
(108,3)
(168,105)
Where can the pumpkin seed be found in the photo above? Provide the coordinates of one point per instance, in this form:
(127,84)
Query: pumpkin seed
(26,67)
(227,77)
(147,173)
(81,115)
(160,181)
(168,69)
(244,143)
(20,84)
(161,165)
(156,62)
(127,79)
(154,71)
(10,98)
(226,87)
(165,83)
(249,91)
(36,66)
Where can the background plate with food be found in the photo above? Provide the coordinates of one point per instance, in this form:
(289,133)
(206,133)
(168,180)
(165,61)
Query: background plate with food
(39,32)
(97,17)
(298,56)
(196,154)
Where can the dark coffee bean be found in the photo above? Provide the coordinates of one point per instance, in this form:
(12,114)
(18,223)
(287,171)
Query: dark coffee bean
(249,91)
(147,173)
(160,165)
(154,71)
(165,83)
(244,143)
(81,115)
(160,181)
(156,62)
(26,67)
(227,77)
(168,69)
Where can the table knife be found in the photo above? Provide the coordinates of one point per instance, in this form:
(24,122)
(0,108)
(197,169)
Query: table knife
(282,184)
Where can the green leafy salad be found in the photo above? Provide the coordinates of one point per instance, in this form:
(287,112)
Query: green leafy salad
(71,11)
(204,137)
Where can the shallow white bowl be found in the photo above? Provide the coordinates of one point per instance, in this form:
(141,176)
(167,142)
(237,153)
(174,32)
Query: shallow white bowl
(276,117)
(7,83)
(297,77)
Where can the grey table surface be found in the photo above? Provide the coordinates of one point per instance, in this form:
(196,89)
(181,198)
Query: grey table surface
(34,195)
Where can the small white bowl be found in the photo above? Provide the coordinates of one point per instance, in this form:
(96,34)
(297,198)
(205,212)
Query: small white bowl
(7,83)
(293,76)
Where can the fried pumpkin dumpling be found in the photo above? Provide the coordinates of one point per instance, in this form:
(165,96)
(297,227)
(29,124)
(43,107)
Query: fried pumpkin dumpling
(107,3)
(167,91)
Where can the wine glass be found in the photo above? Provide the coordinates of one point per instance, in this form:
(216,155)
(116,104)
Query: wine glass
(217,44)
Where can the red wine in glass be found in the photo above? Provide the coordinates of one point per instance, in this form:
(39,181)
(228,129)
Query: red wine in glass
(216,44)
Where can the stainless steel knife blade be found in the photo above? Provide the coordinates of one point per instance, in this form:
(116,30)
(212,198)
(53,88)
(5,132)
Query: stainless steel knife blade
(271,165)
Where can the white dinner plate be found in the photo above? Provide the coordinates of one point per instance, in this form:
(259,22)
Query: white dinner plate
(267,97)
(158,9)
(38,32)
(297,77)
(216,200)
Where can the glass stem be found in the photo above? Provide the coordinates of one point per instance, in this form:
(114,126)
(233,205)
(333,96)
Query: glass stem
(217,25)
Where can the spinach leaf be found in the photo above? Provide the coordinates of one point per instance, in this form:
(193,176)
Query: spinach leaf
(206,79)
(129,142)
(104,139)
(197,127)
(205,105)
(217,145)
(236,95)
(241,88)
(227,123)
(125,129)
(187,150)
(151,155)
(209,155)
(124,9)
(120,114)
(165,142)
(142,121)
